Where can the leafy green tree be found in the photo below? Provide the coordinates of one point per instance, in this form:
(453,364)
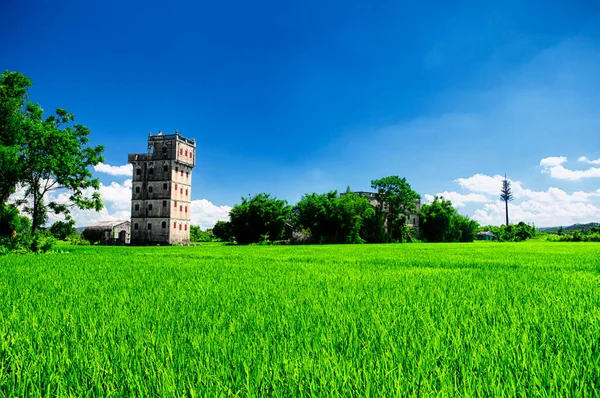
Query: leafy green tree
(396,199)
(316,213)
(440,222)
(512,233)
(56,157)
(51,153)
(258,218)
(11,222)
(63,229)
(222,231)
(198,235)
(506,195)
(353,212)
(437,221)
(331,218)
(13,99)
(466,228)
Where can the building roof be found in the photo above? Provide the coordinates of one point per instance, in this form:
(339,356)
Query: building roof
(107,224)
(488,233)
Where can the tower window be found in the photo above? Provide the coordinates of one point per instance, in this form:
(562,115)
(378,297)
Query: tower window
(180,227)
(164,224)
(187,174)
(149,226)
(185,227)
(138,172)
(186,192)
(135,226)
(137,189)
(150,189)
(165,186)
(151,171)
(176,187)
(180,208)
(181,191)
(181,151)
(175,225)
(186,152)
(176,169)
(175,204)
(182,173)
(186,209)
(165,168)
(164,203)
(137,207)
(150,207)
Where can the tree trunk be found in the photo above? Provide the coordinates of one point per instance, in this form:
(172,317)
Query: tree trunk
(506,202)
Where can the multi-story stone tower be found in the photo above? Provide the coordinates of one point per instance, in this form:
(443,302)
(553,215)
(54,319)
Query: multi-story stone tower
(162,190)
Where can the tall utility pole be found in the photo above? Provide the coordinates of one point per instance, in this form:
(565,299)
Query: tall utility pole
(506,195)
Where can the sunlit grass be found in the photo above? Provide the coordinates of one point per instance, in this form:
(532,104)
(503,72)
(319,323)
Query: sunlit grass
(454,319)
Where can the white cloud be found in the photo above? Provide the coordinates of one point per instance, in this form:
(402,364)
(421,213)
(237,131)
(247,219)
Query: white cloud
(125,170)
(206,214)
(554,167)
(541,214)
(485,184)
(553,161)
(588,161)
(459,199)
(551,207)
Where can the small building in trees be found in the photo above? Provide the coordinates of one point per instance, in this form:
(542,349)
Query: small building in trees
(162,190)
(108,232)
(412,220)
(485,235)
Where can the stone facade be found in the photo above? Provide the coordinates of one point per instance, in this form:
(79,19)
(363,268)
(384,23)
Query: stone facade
(162,190)
(108,232)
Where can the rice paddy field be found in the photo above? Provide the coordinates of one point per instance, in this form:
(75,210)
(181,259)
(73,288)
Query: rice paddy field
(363,320)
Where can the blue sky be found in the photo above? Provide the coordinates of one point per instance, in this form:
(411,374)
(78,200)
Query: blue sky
(297,97)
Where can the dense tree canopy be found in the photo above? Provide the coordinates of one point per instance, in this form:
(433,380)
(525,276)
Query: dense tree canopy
(63,229)
(440,222)
(13,99)
(331,218)
(43,154)
(396,200)
(259,218)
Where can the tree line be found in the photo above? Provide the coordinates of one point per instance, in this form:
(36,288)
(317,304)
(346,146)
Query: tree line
(383,216)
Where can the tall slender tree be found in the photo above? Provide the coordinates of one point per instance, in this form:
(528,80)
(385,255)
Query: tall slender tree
(506,195)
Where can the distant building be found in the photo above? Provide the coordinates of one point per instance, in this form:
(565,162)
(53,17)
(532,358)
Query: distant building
(485,235)
(412,219)
(108,232)
(162,190)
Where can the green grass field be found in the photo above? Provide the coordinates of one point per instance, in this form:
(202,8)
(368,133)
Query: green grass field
(422,319)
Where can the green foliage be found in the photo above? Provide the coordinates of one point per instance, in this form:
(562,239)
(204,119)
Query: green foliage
(396,200)
(592,235)
(44,154)
(198,235)
(11,222)
(440,222)
(13,98)
(347,320)
(222,231)
(512,233)
(77,240)
(63,229)
(257,216)
(331,218)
